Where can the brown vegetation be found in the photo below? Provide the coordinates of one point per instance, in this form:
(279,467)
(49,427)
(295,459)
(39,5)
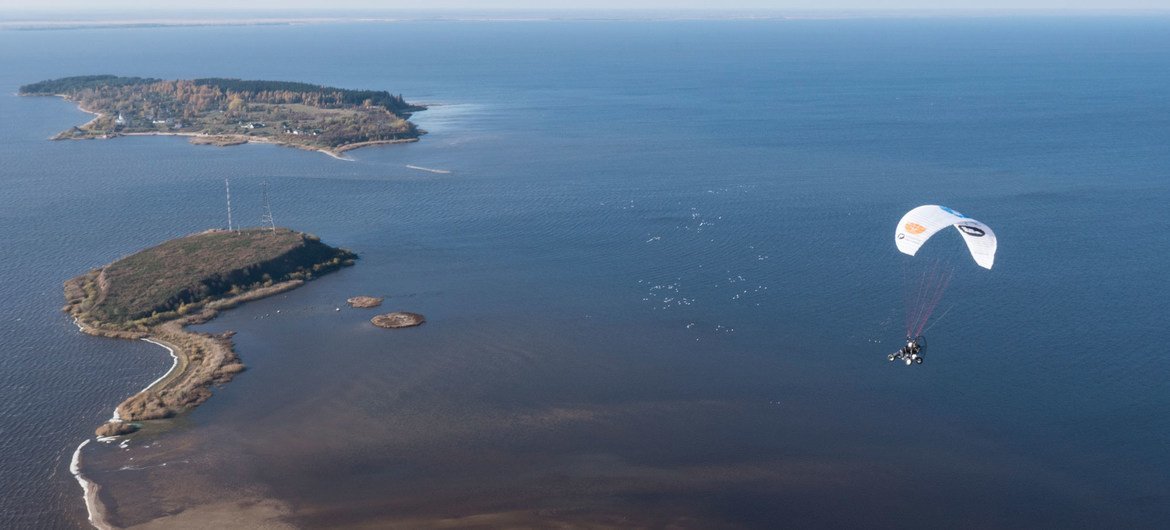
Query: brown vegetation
(115,428)
(220,140)
(400,319)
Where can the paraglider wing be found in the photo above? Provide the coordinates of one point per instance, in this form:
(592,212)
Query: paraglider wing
(924,221)
(980,241)
(919,224)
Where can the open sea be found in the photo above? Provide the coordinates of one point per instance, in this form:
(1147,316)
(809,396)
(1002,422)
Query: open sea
(658,272)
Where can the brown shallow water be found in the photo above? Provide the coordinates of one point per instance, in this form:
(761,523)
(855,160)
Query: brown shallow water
(531,419)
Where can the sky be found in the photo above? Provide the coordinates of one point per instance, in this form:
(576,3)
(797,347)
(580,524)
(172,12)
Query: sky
(156,5)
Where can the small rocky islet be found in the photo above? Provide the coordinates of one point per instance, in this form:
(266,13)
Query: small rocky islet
(364,302)
(398,319)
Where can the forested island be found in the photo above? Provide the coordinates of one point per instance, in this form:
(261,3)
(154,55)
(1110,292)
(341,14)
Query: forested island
(154,293)
(232,111)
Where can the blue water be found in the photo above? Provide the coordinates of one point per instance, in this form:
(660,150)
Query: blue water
(659,278)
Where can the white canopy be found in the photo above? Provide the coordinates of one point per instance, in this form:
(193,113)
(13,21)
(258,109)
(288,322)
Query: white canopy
(924,221)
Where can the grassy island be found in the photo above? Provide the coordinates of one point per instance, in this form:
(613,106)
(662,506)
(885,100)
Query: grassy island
(220,111)
(154,293)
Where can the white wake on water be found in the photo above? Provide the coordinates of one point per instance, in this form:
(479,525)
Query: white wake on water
(429,170)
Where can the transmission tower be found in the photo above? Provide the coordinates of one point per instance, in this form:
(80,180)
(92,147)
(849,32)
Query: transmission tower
(267,217)
(228,188)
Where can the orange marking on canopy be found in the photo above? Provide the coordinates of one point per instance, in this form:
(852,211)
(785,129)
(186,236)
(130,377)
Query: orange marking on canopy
(915,228)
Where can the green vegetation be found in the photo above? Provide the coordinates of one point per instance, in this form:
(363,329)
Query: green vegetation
(179,277)
(68,85)
(298,114)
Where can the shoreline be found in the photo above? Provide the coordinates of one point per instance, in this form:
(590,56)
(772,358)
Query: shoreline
(116,417)
(200,361)
(174,364)
(246,139)
(336,152)
(180,363)
(190,375)
(94,509)
(96,115)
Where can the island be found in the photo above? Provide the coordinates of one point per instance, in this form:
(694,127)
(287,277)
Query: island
(364,302)
(219,111)
(398,319)
(153,294)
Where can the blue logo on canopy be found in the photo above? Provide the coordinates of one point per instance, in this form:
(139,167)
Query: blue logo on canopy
(952,212)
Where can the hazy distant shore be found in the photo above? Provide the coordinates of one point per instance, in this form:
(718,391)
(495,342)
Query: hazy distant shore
(131,23)
(45,21)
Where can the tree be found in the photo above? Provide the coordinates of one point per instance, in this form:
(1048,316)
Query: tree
(236,103)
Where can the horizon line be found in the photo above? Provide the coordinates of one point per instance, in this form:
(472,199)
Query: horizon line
(776,10)
(66,19)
